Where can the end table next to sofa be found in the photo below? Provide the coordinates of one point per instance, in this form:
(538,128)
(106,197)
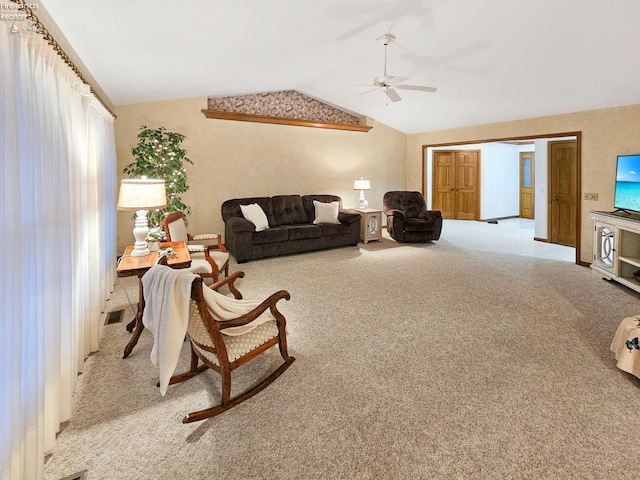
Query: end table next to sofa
(371,224)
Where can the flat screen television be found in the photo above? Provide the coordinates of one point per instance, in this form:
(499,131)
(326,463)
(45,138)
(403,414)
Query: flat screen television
(627,195)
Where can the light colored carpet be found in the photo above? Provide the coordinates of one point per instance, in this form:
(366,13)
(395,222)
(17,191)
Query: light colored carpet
(479,356)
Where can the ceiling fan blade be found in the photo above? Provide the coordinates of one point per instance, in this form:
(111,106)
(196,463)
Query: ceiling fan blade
(392,94)
(363,93)
(396,80)
(418,88)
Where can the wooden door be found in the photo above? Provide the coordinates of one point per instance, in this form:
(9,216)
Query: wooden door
(527,197)
(466,188)
(444,183)
(456,183)
(563,196)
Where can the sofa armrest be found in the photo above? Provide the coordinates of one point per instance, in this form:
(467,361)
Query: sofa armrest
(348,216)
(239,224)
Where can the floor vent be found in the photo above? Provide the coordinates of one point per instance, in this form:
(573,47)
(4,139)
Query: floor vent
(114,317)
(76,476)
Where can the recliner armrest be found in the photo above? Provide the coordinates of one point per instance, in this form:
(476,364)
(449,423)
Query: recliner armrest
(430,215)
(394,212)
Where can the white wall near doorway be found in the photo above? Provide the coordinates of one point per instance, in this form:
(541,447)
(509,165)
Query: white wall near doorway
(499,177)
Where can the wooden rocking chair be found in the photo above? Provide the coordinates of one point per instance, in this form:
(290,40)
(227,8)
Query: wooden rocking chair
(224,353)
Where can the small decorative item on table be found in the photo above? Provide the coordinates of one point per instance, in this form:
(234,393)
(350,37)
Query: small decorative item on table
(155,236)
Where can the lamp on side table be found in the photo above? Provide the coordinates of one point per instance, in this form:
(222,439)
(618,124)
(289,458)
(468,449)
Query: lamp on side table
(140,195)
(362,185)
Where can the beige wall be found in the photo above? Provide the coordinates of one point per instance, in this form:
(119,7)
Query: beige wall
(605,134)
(238,159)
(241,159)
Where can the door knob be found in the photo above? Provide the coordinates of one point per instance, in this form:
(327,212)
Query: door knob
(555,199)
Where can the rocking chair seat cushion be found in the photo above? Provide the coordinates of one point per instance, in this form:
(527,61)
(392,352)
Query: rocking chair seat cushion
(237,345)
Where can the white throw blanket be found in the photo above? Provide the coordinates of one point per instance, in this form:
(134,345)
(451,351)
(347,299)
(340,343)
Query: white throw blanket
(224,308)
(167,294)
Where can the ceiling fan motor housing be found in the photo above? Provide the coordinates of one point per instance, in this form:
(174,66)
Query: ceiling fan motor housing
(382,80)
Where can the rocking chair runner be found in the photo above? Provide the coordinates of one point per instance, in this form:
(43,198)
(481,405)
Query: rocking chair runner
(225,352)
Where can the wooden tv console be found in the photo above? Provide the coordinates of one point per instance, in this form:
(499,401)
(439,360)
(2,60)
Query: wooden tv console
(616,247)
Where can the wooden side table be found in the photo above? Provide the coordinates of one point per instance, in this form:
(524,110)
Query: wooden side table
(371,224)
(137,266)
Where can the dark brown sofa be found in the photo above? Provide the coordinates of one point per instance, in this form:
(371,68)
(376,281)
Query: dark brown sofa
(291,228)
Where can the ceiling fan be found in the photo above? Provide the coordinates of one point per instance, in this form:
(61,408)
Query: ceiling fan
(387,83)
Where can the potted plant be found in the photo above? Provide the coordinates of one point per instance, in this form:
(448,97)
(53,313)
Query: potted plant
(158,154)
(154,237)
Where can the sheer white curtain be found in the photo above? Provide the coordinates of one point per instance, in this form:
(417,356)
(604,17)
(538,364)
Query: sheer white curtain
(57,209)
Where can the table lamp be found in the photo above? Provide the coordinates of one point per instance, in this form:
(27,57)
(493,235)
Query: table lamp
(140,195)
(362,185)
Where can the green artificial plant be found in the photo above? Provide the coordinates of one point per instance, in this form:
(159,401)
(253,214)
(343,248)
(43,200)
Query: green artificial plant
(158,154)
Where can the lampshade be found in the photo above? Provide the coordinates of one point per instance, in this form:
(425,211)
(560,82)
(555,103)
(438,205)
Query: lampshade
(361,184)
(142,194)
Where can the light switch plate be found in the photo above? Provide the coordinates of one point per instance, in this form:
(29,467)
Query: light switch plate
(591,196)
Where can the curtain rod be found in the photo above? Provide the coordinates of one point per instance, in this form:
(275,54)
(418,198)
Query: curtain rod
(42,30)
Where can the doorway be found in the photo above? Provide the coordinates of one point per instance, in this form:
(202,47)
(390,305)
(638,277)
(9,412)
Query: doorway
(456,183)
(563,192)
(494,202)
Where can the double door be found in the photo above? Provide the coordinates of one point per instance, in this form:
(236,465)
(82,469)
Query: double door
(456,183)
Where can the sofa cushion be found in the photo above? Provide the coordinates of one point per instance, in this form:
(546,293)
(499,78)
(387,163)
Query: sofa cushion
(303,231)
(326,212)
(270,235)
(331,229)
(254,213)
(309,207)
(288,209)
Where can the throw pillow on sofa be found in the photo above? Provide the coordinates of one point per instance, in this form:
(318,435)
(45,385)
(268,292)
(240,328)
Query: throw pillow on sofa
(326,212)
(254,213)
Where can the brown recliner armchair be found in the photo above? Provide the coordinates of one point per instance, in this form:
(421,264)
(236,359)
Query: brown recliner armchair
(408,219)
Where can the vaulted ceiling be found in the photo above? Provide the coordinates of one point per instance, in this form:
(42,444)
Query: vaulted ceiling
(492,60)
